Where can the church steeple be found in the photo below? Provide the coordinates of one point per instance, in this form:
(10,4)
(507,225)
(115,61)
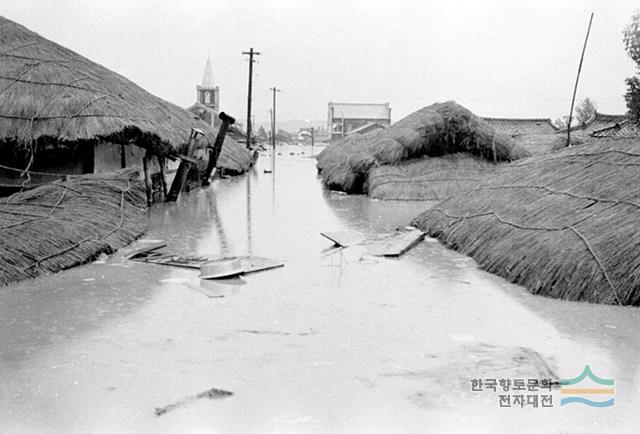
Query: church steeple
(207,79)
(208,94)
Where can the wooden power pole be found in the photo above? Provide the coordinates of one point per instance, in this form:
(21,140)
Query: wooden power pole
(251,53)
(575,88)
(273,117)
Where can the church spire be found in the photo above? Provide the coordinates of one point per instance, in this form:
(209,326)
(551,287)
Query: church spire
(207,79)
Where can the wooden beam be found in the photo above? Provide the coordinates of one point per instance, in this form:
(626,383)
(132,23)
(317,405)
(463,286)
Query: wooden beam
(217,146)
(183,170)
(147,178)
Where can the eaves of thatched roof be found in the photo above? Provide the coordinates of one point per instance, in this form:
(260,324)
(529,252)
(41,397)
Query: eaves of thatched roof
(562,224)
(50,92)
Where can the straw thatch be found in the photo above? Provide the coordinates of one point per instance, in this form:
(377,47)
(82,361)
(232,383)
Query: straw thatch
(440,129)
(67,223)
(539,144)
(434,178)
(563,225)
(234,158)
(50,94)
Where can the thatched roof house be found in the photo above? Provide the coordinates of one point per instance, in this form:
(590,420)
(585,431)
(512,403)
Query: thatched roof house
(52,100)
(434,131)
(67,223)
(563,225)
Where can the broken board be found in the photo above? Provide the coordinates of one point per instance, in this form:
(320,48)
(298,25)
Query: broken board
(343,239)
(391,245)
(250,264)
(395,245)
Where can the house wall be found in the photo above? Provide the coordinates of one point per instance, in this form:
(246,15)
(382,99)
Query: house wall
(350,125)
(107,158)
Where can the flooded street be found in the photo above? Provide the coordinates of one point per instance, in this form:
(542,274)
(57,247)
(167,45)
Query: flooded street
(335,341)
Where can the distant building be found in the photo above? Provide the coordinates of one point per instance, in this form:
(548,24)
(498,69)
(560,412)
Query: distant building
(207,105)
(343,118)
(373,126)
(602,125)
(521,126)
(319,134)
(208,94)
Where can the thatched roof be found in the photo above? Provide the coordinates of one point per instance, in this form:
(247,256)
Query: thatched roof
(48,92)
(67,223)
(439,129)
(563,225)
(428,178)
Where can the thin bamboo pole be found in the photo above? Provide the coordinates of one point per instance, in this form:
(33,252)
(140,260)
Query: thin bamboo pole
(575,87)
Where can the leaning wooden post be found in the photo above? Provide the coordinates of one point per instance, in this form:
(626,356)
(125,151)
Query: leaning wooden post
(147,178)
(185,165)
(214,153)
(163,178)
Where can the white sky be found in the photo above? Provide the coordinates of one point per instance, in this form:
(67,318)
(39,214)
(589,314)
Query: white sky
(498,58)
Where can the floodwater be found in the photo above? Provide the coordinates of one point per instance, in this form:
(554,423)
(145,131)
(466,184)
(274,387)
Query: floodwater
(335,341)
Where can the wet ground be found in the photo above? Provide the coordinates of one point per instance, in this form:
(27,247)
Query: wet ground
(333,342)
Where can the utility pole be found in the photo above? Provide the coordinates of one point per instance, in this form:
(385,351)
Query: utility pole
(271,129)
(575,88)
(273,117)
(251,53)
(312,140)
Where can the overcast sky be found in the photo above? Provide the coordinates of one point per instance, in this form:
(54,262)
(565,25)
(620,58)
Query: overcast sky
(498,58)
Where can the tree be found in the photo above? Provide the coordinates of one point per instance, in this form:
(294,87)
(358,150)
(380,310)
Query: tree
(585,110)
(631,38)
(562,123)
(262,134)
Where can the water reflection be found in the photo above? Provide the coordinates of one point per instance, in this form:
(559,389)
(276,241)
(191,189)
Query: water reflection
(218,224)
(248,197)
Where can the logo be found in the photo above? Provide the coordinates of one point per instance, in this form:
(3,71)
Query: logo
(582,390)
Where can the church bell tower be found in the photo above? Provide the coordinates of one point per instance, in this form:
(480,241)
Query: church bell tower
(208,94)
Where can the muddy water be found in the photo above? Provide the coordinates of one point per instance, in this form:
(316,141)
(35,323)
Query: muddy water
(335,341)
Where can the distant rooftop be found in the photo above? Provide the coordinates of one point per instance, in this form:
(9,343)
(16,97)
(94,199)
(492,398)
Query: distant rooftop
(516,126)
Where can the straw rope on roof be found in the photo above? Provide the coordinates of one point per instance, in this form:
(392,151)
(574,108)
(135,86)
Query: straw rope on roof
(428,178)
(50,92)
(436,130)
(564,225)
(67,223)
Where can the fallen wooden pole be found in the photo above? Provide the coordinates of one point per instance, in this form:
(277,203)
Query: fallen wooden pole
(214,153)
(185,166)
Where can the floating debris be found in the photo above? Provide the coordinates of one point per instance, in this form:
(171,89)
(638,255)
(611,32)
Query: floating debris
(249,264)
(343,239)
(221,268)
(210,394)
(395,244)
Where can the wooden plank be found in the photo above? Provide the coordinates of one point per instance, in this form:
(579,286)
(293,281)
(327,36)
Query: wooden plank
(343,239)
(146,249)
(396,244)
(250,264)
